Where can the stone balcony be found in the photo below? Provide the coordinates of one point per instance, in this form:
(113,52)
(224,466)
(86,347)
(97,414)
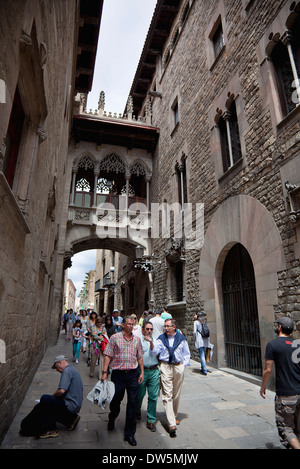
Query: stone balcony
(126,117)
(111,219)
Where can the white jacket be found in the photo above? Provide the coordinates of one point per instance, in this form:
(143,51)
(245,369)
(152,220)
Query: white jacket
(199,340)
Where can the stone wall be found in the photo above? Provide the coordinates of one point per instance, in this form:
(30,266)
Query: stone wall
(37,53)
(200,86)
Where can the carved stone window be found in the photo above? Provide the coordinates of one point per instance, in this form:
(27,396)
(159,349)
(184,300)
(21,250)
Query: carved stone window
(13,139)
(284,52)
(83,185)
(104,186)
(229,133)
(293,199)
(218,40)
(112,163)
(138,168)
(86,163)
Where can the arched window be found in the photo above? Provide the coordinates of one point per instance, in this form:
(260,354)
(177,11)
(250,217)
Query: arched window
(84,185)
(229,135)
(285,55)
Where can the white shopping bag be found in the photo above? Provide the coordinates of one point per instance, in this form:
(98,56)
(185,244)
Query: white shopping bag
(102,393)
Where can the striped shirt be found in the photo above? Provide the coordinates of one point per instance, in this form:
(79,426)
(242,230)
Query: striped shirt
(124,353)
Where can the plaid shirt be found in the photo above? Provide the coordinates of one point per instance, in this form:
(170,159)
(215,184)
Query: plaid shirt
(124,353)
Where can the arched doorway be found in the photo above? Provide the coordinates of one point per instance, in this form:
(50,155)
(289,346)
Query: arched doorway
(242,336)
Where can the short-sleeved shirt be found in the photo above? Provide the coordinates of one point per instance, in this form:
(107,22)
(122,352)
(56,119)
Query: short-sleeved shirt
(284,352)
(70,380)
(158,326)
(118,319)
(124,353)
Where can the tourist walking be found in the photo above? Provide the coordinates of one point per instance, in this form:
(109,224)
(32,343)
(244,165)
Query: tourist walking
(99,340)
(109,326)
(202,342)
(174,355)
(151,377)
(117,320)
(84,321)
(77,339)
(284,353)
(91,322)
(70,319)
(124,356)
(158,324)
(137,330)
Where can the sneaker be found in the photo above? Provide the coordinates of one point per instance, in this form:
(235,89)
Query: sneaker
(151,426)
(49,434)
(74,424)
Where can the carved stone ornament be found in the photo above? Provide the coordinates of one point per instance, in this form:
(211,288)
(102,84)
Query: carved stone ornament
(175,249)
(25,40)
(293,200)
(42,134)
(67,259)
(43,54)
(2,154)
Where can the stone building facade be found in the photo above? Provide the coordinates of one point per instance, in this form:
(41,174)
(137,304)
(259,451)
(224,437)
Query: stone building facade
(215,142)
(69,294)
(223,94)
(46,56)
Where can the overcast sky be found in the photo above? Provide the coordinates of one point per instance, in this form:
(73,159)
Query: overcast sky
(123,31)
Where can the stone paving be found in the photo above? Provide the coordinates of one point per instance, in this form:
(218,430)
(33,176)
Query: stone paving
(217,411)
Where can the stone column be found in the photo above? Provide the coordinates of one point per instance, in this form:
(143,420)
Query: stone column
(287,39)
(148,179)
(226,116)
(72,196)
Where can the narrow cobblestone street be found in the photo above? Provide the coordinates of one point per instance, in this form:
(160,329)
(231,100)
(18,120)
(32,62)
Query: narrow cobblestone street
(219,411)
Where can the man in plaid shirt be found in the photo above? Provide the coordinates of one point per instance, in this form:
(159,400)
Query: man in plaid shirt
(124,356)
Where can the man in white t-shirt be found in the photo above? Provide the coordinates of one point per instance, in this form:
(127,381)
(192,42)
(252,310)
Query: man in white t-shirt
(158,324)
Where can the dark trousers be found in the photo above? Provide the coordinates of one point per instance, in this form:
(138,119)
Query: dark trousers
(53,409)
(125,380)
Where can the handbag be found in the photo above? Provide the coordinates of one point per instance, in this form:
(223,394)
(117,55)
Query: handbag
(103,343)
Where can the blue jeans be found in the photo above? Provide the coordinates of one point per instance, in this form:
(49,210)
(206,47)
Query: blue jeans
(201,351)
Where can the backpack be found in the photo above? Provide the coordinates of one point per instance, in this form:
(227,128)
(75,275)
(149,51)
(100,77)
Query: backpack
(204,330)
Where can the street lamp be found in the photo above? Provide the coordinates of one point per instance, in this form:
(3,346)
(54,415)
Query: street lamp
(142,262)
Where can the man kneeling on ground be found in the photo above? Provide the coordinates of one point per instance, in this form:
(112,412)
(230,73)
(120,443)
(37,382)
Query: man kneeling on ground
(63,406)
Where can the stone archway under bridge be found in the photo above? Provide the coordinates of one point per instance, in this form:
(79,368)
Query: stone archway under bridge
(121,285)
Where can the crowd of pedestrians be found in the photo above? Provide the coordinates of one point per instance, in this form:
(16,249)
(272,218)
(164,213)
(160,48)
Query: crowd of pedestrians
(150,355)
(139,355)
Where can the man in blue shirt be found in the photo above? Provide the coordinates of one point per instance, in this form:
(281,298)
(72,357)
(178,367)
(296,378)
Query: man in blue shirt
(174,355)
(117,320)
(151,377)
(62,406)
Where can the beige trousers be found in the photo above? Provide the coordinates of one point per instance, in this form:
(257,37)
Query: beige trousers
(94,358)
(171,378)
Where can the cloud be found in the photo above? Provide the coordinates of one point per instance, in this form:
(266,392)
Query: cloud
(81,263)
(123,31)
